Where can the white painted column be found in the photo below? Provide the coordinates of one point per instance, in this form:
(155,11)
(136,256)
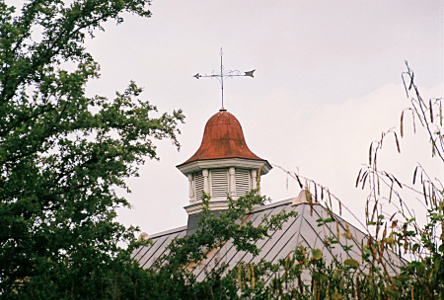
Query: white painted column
(191,188)
(232,186)
(253,179)
(206,183)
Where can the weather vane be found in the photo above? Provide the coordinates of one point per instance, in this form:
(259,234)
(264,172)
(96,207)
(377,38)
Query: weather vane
(224,74)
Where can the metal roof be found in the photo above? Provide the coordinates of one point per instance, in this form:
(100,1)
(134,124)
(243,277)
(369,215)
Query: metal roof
(223,138)
(302,230)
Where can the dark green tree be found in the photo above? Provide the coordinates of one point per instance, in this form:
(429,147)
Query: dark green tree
(63,154)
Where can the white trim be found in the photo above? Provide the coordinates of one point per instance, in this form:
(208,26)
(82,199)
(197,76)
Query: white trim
(206,183)
(214,204)
(243,163)
(253,179)
(191,193)
(232,180)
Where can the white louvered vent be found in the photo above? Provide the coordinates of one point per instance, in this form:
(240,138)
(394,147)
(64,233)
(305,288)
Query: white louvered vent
(199,186)
(243,184)
(219,183)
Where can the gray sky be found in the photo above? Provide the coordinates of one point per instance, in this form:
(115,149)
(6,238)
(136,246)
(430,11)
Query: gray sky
(327,83)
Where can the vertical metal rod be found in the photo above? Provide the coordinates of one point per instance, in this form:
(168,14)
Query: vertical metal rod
(222,78)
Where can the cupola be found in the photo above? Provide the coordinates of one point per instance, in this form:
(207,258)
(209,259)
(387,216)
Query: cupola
(223,165)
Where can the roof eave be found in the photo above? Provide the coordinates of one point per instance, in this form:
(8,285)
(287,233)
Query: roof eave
(194,166)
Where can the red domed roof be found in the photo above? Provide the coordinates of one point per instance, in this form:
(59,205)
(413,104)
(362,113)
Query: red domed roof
(223,138)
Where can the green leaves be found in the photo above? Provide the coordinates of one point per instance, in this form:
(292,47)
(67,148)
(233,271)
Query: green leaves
(215,231)
(63,154)
(317,254)
(351,263)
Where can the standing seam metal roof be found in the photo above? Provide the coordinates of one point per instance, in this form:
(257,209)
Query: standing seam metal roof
(301,230)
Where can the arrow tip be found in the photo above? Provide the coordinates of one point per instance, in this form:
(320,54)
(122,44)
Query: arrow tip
(250,73)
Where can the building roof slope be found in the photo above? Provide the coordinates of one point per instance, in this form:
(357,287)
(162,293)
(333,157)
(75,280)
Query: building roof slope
(302,230)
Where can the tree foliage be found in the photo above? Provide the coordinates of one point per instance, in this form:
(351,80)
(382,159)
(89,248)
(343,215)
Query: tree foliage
(63,154)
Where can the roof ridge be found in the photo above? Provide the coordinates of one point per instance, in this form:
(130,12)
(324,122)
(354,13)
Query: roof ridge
(279,203)
(169,231)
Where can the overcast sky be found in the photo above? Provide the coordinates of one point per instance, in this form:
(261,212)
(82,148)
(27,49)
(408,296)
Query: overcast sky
(327,83)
